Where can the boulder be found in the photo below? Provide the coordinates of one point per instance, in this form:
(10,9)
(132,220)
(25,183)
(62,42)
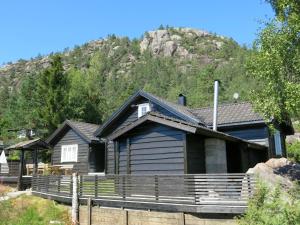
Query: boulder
(277,171)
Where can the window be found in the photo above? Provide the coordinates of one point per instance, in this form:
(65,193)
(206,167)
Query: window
(278,146)
(69,153)
(143,109)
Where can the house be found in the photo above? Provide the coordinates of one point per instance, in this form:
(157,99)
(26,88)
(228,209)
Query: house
(149,135)
(240,120)
(75,147)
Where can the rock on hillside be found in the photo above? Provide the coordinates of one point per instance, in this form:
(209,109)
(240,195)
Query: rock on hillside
(277,171)
(179,43)
(170,42)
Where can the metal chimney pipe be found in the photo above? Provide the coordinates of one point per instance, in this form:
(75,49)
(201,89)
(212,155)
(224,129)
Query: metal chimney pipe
(216,93)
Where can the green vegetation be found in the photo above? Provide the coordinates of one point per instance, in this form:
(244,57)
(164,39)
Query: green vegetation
(272,207)
(293,151)
(90,82)
(275,63)
(32,210)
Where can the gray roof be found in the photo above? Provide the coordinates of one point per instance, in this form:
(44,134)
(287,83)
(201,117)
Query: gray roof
(179,110)
(229,114)
(29,145)
(88,129)
(182,125)
(177,107)
(85,130)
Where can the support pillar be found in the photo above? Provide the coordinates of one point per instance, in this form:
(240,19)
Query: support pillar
(21,171)
(35,166)
(215,155)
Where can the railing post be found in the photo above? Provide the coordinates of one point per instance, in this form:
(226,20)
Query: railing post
(74,181)
(156,188)
(80,185)
(96,186)
(123,187)
(58,183)
(249,185)
(47,183)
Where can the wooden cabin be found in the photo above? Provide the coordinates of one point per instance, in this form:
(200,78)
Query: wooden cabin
(149,135)
(240,120)
(75,148)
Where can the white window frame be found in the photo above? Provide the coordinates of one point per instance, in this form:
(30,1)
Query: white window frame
(141,107)
(278,144)
(69,153)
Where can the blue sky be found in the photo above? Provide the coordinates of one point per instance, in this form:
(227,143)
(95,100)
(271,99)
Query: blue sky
(33,27)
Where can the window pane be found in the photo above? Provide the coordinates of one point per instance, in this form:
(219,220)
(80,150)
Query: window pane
(278,147)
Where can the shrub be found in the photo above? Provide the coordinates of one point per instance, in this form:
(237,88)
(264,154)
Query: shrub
(271,208)
(293,151)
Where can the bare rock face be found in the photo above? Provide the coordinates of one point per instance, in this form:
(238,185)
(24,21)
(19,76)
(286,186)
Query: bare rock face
(164,43)
(277,171)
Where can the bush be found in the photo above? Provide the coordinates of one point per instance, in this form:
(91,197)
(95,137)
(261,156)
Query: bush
(271,208)
(293,151)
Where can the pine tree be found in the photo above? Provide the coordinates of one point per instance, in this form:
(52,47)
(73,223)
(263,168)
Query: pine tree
(52,95)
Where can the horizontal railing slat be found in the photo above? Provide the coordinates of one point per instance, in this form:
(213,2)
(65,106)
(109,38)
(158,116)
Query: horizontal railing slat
(191,189)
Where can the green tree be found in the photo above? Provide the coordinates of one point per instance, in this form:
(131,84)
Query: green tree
(51,94)
(86,100)
(272,207)
(276,63)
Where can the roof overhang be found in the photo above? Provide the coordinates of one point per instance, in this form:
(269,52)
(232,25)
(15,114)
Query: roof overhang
(60,130)
(133,98)
(30,145)
(181,125)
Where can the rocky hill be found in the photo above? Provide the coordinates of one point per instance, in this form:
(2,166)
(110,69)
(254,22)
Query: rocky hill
(184,45)
(100,75)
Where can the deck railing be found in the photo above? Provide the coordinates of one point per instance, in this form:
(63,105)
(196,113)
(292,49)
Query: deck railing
(228,193)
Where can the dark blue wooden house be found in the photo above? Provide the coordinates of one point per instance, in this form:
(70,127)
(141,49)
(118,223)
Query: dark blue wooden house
(76,148)
(149,135)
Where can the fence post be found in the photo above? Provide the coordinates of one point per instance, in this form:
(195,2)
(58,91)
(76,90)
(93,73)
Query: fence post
(96,186)
(74,200)
(89,211)
(123,187)
(156,188)
(58,183)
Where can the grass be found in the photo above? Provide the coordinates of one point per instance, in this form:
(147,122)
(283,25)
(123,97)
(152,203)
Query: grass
(105,187)
(31,210)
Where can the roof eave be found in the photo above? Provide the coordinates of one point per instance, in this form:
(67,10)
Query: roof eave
(62,127)
(116,114)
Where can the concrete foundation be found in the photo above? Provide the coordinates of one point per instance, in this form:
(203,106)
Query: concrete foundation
(215,155)
(111,216)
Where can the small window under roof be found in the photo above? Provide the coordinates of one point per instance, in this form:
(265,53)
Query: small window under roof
(143,109)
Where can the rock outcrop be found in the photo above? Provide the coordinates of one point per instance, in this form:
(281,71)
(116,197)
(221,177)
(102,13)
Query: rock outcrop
(277,171)
(169,42)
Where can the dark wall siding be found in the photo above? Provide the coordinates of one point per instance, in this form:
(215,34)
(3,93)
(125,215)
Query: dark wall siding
(154,149)
(110,158)
(71,138)
(122,156)
(248,134)
(195,154)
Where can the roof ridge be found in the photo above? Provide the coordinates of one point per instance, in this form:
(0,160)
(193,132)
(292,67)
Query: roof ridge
(74,121)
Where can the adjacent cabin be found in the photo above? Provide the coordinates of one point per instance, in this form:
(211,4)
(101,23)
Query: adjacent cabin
(240,120)
(76,148)
(149,135)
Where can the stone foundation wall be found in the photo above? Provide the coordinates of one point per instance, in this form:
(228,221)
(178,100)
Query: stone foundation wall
(111,216)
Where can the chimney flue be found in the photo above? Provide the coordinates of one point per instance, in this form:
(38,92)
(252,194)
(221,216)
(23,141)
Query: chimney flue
(181,100)
(216,93)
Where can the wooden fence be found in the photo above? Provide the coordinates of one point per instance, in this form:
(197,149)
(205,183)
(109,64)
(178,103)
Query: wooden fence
(206,193)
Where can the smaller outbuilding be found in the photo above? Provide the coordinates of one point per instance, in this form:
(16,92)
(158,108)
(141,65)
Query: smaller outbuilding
(76,148)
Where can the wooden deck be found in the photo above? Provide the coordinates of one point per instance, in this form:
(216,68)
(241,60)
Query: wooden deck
(199,193)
